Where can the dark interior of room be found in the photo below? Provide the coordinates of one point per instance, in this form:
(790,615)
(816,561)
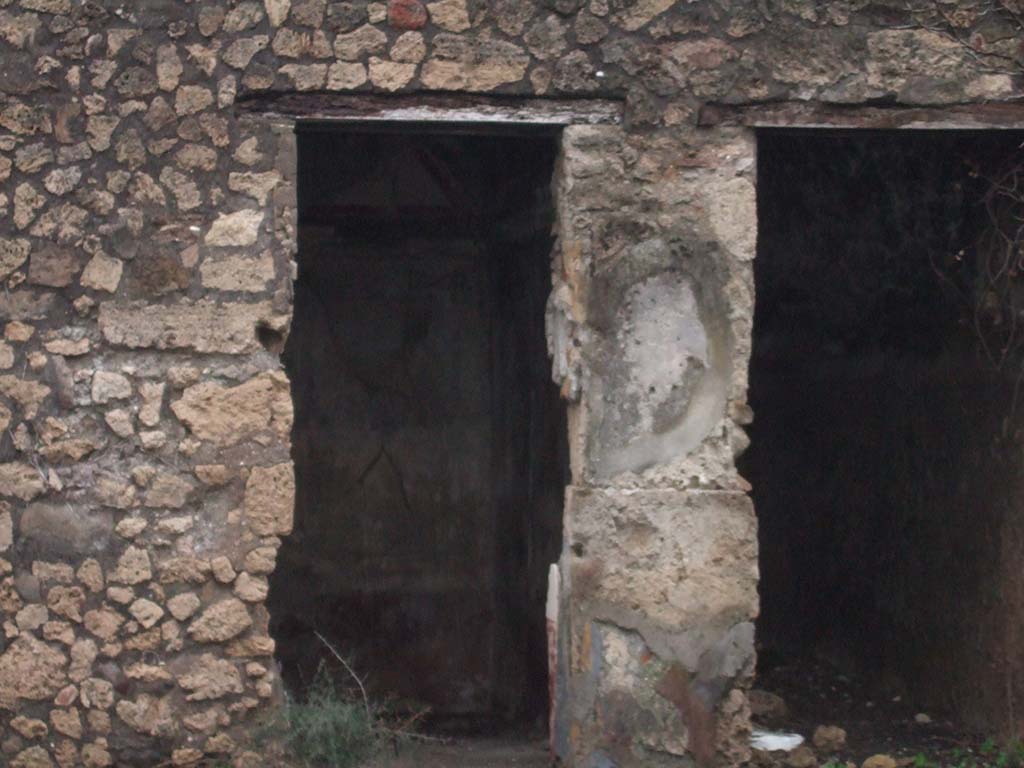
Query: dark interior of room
(429,441)
(885,454)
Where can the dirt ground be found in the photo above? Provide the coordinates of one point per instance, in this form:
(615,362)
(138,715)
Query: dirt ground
(875,721)
(469,753)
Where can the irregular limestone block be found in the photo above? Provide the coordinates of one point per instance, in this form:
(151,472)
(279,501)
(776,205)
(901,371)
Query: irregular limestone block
(240,228)
(237,273)
(149,715)
(20,480)
(270,499)
(30,669)
(229,415)
(203,326)
(168,490)
(221,621)
(133,567)
(183,606)
(210,678)
(463,64)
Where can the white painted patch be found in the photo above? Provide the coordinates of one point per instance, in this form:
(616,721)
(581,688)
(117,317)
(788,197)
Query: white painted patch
(768,741)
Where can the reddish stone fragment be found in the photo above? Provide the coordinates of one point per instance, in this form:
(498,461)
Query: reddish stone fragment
(407,14)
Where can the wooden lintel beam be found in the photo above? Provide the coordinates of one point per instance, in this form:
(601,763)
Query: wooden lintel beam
(995,115)
(434,108)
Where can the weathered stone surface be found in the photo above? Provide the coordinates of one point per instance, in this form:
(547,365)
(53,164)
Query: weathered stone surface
(235,229)
(640,13)
(251,589)
(83,654)
(449,15)
(152,393)
(243,16)
(13,253)
(6,529)
(133,567)
(135,82)
(33,757)
(168,67)
(389,75)
(292,44)
(104,623)
(54,266)
(196,157)
(221,621)
(459,64)
(589,29)
(237,273)
(33,157)
(546,37)
(146,612)
(210,678)
(309,13)
(204,326)
(19,30)
(183,606)
(30,670)
(240,52)
(99,129)
(190,99)
(108,385)
(187,569)
(186,193)
(261,560)
(223,570)
(97,693)
(32,617)
(306,77)
(407,14)
(22,481)
(28,394)
(67,602)
(277,11)
(168,490)
(256,185)
(66,347)
(149,715)
(30,727)
(410,48)
(511,15)
(343,75)
(353,46)
(270,499)
(60,181)
(102,273)
(710,536)
(90,573)
(228,415)
(120,422)
(67,722)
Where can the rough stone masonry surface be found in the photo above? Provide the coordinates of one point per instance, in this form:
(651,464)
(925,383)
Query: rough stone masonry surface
(148,229)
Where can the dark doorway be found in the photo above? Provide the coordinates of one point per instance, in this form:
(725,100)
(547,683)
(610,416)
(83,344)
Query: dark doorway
(429,441)
(885,454)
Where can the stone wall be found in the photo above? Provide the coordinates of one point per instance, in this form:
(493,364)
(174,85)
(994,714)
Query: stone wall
(148,229)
